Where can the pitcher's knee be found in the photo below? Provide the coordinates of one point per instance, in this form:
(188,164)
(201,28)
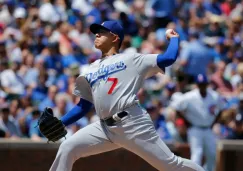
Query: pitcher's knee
(66,149)
(182,164)
(188,165)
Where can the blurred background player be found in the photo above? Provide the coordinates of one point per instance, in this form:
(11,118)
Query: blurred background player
(200,108)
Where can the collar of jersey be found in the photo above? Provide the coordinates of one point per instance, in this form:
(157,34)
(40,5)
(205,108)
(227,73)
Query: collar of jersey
(102,59)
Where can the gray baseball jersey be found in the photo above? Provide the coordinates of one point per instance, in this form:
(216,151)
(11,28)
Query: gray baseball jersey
(112,83)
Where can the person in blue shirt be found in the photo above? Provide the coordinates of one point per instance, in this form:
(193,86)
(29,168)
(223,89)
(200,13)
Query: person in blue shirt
(219,51)
(195,57)
(34,132)
(53,61)
(163,11)
(40,91)
(129,24)
(159,121)
(49,100)
(94,15)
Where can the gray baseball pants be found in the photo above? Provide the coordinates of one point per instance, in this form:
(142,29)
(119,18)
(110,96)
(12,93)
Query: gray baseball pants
(134,132)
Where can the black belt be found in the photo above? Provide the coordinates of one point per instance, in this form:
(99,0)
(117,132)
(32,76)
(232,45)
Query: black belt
(114,118)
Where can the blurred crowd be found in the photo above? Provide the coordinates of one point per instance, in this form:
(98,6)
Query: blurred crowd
(45,44)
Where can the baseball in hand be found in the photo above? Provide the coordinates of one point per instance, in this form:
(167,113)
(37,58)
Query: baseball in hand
(171,33)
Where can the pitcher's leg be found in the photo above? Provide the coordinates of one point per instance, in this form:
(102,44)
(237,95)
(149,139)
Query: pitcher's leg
(156,153)
(143,140)
(87,141)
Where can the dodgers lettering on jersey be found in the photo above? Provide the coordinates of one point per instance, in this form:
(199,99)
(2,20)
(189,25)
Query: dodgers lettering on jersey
(104,71)
(112,83)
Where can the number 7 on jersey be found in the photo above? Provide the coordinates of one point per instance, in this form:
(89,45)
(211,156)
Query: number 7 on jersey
(115,81)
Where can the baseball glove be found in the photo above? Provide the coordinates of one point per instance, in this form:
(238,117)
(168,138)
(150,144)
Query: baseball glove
(51,127)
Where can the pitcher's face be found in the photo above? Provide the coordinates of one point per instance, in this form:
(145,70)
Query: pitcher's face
(104,39)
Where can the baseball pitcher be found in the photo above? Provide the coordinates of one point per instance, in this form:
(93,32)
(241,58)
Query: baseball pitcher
(111,85)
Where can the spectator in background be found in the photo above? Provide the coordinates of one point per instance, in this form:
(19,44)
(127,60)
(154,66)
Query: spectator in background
(181,133)
(40,91)
(130,26)
(181,28)
(198,10)
(94,16)
(235,59)
(11,82)
(227,6)
(238,77)
(5,15)
(126,46)
(220,51)
(15,112)
(214,28)
(50,99)
(34,132)
(53,59)
(79,34)
(163,12)
(237,132)
(29,72)
(224,127)
(51,12)
(219,83)
(82,6)
(7,125)
(143,97)
(62,101)
(25,104)
(159,121)
(65,46)
(195,57)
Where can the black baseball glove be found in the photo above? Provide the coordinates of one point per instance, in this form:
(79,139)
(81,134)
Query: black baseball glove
(51,127)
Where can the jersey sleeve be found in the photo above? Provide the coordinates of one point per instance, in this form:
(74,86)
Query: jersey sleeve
(146,64)
(83,89)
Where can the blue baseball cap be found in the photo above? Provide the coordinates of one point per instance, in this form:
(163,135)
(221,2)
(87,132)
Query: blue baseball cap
(201,79)
(112,26)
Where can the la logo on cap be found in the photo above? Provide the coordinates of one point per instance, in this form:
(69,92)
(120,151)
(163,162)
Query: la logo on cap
(103,23)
